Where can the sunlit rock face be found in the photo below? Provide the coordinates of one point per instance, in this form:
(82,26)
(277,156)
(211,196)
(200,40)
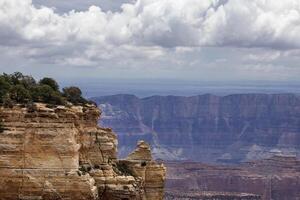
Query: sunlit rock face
(206,128)
(61,153)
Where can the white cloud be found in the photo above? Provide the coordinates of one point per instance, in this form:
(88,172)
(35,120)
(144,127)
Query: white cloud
(147,29)
(263,56)
(65,6)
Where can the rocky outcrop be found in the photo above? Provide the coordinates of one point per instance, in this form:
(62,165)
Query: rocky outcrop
(207,128)
(142,152)
(275,178)
(141,164)
(61,153)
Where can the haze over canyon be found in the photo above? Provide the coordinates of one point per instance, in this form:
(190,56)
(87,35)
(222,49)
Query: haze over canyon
(208,128)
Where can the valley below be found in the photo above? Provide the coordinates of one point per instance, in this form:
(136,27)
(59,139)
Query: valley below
(275,178)
(235,147)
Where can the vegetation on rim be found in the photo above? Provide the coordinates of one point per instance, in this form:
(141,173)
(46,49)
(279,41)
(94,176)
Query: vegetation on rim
(24,89)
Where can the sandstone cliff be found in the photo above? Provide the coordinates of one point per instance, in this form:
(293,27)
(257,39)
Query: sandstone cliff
(61,153)
(207,128)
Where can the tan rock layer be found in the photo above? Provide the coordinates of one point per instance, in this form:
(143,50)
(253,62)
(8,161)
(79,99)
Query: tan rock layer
(61,153)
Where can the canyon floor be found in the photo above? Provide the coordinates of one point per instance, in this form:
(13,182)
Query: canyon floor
(276,178)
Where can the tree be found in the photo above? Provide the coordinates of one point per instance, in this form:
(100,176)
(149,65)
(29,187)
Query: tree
(27,82)
(19,88)
(19,94)
(73,94)
(41,93)
(7,78)
(46,94)
(57,99)
(4,88)
(51,82)
(16,77)
(7,102)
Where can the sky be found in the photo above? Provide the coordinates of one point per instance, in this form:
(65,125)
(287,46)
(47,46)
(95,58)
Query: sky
(203,40)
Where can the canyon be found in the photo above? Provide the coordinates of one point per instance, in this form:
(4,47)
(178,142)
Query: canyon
(275,178)
(247,145)
(235,147)
(60,153)
(207,128)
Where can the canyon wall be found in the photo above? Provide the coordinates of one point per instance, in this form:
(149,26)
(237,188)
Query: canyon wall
(61,153)
(275,178)
(207,128)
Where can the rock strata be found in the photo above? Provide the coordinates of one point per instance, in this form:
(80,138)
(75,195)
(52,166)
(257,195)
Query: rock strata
(229,129)
(59,152)
(275,178)
(140,163)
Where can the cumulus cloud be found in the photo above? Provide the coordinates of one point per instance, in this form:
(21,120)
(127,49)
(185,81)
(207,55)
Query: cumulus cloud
(148,28)
(65,6)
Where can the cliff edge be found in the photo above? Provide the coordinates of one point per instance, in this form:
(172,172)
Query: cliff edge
(61,153)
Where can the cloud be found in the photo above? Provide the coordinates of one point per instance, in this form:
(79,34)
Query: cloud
(65,6)
(263,56)
(147,28)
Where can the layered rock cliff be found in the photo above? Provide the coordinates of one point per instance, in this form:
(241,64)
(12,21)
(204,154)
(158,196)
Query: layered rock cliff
(275,178)
(207,128)
(61,153)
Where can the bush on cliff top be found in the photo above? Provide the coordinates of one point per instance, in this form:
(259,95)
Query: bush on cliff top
(19,88)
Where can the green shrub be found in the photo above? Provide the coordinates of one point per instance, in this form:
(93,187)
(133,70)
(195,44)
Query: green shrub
(7,102)
(27,82)
(57,99)
(40,93)
(4,88)
(73,94)
(16,77)
(50,82)
(46,94)
(19,94)
(19,88)
(124,169)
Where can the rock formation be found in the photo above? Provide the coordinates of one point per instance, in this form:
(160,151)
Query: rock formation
(140,163)
(60,152)
(206,128)
(275,178)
